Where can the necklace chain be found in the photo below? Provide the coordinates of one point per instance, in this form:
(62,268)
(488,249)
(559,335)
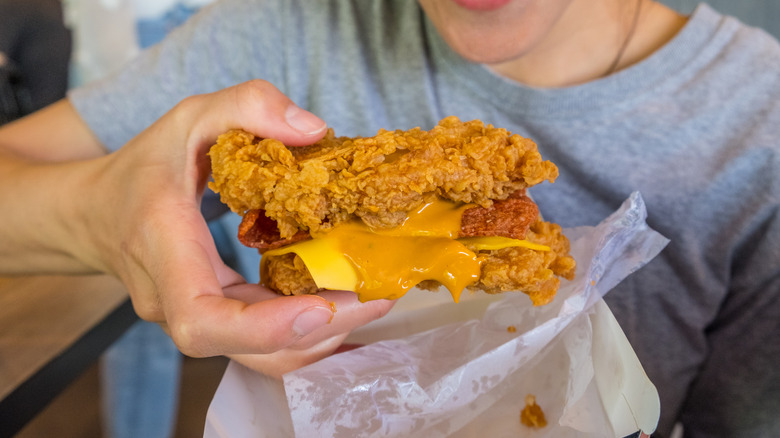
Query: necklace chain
(626,41)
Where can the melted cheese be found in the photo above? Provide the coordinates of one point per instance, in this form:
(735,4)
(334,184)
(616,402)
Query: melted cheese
(433,219)
(499,242)
(380,264)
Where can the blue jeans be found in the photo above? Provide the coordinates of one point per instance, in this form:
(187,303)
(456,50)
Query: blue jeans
(140,384)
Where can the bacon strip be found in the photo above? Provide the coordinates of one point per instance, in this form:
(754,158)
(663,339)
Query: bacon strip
(507,218)
(259,231)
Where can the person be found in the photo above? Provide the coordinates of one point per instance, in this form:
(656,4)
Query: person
(623,95)
(34,50)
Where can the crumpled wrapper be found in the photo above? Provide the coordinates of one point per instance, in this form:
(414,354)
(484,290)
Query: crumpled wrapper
(438,369)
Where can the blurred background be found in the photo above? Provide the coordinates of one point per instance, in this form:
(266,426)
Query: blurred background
(47,46)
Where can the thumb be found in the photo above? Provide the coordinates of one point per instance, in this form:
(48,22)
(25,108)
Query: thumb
(209,308)
(260,108)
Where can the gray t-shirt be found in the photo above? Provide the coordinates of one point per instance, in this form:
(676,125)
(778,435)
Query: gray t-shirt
(695,128)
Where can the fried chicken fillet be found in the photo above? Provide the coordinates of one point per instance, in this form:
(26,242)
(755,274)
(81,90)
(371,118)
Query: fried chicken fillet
(471,172)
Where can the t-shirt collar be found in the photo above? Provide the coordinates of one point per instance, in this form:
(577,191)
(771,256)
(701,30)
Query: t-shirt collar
(671,60)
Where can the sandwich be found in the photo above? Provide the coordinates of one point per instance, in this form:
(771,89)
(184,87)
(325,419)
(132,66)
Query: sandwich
(380,215)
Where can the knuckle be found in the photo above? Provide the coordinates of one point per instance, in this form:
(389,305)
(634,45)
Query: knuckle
(189,102)
(148,309)
(188,110)
(256,86)
(185,106)
(184,335)
(147,312)
(256,95)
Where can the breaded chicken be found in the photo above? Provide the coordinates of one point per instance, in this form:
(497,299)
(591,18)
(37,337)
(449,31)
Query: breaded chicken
(289,194)
(378,179)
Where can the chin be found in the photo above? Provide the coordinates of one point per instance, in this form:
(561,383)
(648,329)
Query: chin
(504,32)
(485,51)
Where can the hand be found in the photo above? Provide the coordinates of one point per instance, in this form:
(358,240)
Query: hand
(350,313)
(139,219)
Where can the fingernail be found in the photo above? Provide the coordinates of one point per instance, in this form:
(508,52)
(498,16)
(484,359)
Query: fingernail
(303,121)
(311,319)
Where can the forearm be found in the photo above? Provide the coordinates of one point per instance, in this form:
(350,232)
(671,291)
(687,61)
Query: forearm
(42,222)
(44,159)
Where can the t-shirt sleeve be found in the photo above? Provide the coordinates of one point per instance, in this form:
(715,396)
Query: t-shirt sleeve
(224,44)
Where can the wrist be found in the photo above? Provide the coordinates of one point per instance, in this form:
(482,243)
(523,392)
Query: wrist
(82,201)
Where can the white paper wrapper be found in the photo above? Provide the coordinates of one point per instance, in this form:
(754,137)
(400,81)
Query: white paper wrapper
(436,369)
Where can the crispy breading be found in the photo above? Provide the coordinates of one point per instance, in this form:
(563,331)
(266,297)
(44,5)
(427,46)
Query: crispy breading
(287,194)
(531,271)
(378,179)
(287,274)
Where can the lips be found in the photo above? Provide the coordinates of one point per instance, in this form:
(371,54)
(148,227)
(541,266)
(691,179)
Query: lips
(481,5)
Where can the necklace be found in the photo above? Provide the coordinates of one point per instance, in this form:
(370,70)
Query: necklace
(627,40)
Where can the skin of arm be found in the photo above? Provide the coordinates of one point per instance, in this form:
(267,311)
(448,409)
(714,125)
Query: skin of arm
(135,214)
(36,163)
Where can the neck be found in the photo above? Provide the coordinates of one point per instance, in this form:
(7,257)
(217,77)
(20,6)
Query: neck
(593,39)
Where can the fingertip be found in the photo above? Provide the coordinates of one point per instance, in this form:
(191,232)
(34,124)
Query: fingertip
(304,122)
(311,319)
(262,109)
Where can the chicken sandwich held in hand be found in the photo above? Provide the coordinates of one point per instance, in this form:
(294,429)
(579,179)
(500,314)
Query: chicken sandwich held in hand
(380,215)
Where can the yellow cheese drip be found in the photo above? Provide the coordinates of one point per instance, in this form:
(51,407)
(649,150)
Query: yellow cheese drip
(388,266)
(434,219)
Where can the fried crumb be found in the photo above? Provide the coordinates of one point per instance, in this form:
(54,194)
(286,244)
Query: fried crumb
(511,329)
(532,414)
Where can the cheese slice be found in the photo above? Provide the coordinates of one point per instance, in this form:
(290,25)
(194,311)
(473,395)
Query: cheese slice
(329,267)
(499,242)
(385,264)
